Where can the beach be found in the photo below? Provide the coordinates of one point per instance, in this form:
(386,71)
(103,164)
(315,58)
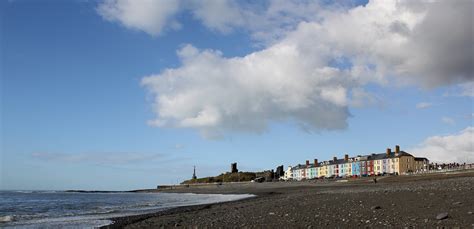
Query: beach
(433,200)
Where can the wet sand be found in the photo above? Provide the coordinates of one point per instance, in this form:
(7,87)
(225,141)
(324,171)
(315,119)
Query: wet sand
(399,201)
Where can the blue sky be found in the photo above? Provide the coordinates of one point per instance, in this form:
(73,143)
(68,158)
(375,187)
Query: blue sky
(76,112)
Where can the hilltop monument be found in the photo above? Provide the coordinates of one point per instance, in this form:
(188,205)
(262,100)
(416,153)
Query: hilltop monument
(233,167)
(194,173)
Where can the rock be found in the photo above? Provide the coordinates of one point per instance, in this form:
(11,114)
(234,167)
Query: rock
(426,220)
(375,207)
(457,203)
(469,213)
(271,213)
(431,194)
(442,216)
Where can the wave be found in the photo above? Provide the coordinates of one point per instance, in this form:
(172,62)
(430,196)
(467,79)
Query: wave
(7,218)
(79,210)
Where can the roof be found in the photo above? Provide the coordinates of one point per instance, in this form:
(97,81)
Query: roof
(370,157)
(298,167)
(421,159)
(381,156)
(338,161)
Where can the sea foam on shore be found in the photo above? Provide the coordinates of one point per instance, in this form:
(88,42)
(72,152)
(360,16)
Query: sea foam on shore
(69,209)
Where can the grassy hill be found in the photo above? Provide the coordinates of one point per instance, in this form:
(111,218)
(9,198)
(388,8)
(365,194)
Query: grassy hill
(224,177)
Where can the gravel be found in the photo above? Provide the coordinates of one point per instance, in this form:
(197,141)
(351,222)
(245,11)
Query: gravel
(402,201)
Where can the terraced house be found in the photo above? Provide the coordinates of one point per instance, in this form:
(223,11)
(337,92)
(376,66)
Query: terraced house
(396,163)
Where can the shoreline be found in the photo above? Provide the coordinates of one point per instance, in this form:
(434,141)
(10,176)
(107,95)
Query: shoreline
(393,201)
(120,222)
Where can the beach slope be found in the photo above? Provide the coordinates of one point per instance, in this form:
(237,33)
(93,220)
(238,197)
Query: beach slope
(434,200)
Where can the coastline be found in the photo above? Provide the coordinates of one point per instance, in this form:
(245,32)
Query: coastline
(121,222)
(393,201)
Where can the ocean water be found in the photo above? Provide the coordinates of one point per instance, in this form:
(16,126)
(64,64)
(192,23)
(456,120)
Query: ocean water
(56,209)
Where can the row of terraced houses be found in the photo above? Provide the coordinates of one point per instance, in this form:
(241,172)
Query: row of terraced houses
(396,163)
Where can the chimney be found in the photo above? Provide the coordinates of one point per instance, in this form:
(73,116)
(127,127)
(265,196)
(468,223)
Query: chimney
(334,158)
(388,152)
(315,162)
(307,162)
(346,157)
(397,149)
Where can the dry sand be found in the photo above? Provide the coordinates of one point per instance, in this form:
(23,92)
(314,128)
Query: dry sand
(401,201)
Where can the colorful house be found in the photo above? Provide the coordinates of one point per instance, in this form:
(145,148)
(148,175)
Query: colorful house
(398,162)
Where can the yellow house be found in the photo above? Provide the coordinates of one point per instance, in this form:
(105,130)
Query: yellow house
(322,170)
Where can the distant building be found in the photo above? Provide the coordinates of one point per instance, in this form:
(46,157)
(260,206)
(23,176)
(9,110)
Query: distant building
(421,164)
(279,173)
(297,172)
(398,162)
(288,173)
(194,173)
(233,168)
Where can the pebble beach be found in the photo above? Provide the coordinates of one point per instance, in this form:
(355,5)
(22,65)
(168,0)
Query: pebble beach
(427,201)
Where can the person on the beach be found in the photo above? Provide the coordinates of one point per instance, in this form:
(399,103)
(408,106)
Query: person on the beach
(375,180)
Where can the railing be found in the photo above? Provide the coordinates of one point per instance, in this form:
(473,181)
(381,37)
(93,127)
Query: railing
(445,169)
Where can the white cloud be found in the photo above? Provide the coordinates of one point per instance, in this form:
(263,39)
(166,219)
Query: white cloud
(266,21)
(423,42)
(414,41)
(222,15)
(461,90)
(293,78)
(96,158)
(214,94)
(467,89)
(151,16)
(423,105)
(458,147)
(448,120)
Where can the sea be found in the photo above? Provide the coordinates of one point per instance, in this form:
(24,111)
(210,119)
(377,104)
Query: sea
(59,209)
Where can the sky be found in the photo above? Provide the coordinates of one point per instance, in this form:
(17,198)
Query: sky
(122,94)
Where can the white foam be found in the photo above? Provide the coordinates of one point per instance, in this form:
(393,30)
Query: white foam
(7,218)
(99,216)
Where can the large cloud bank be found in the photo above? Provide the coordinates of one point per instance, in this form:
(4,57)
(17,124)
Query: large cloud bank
(450,148)
(214,94)
(315,63)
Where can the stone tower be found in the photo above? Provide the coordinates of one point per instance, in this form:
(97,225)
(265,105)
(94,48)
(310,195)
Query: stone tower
(233,168)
